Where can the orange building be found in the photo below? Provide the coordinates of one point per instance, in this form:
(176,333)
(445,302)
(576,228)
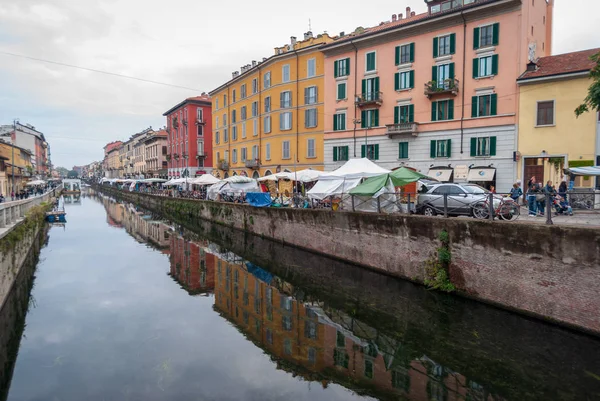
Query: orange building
(191,266)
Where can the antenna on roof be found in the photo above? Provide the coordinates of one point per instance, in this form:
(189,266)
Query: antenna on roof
(309,26)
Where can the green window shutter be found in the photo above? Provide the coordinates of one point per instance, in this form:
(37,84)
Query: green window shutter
(451,72)
(335,153)
(335,68)
(475,68)
(411,113)
(492,146)
(364,87)
(345,153)
(432,149)
(335,122)
(370,61)
(452,43)
(435,47)
(376,152)
(434,73)
(475,38)
(403,150)
(363,119)
(496,34)
(376,84)
(433,111)
(494,104)
(473,147)
(397,60)
(474,106)
(412,79)
(341,92)
(449,147)
(342,124)
(451,109)
(495,64)
(348,66)
(363,151)
(396,114)
(397,81)
(376,117)
(412,52)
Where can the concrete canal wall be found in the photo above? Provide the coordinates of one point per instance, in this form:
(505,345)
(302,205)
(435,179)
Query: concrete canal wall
(551,272)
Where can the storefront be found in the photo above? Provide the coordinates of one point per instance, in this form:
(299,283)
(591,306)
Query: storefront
(442,174)
(482,176)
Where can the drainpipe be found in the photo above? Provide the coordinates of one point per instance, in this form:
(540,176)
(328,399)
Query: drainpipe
(229,100)
(355,89)
(462,117)
(297,107)
(259,126)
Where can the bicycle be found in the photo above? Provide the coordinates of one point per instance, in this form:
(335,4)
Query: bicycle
(507,210)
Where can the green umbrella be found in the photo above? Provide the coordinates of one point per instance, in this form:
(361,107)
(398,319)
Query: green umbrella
(399,177)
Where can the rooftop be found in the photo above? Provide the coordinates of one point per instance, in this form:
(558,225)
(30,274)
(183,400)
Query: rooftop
(203,99)
(568,63)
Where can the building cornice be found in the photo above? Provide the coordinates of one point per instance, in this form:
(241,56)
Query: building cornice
(554,77)
(185,103)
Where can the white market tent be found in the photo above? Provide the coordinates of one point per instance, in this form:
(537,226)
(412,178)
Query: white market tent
(175,182)
(36,182)
(308,175)
(235,185)
(205,179)
(153,181)
(591,171)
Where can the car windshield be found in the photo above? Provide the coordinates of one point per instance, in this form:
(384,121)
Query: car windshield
(475,189)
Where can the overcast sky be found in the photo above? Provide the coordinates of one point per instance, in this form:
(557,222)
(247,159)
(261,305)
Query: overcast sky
(190,43)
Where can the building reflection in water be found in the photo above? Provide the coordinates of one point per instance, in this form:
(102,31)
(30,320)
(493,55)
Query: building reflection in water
(303,336)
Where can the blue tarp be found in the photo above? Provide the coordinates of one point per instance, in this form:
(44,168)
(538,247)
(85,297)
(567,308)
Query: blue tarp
(259,273)
(259,199)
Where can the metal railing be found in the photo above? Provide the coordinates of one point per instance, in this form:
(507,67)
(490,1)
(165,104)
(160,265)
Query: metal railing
(402,128)
(11,212)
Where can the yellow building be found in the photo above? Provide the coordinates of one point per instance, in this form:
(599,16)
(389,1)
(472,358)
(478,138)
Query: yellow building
(269,116)
(23,168)
(550,136)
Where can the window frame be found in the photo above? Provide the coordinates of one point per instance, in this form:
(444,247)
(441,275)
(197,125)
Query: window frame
(537,113)
(308,67)
(343,67)
(339,156)
(267,127)
(491,35)
(404,74)
(267,151)
(311,99)
(447,152)
(338,115)
(374,53)
(288,103)
(283,117)
(283,149)
(270,108)
(254,86)
(284,68)
(447,39)
(400,150)
(337,91)
(308,148)
(267,80)
(402,54)
(483,142)
(306,118)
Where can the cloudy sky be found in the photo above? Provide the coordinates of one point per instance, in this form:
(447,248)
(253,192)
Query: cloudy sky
(189,43)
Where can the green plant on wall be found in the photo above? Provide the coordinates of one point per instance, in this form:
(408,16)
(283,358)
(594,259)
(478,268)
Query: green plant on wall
(557,162)
(437,274)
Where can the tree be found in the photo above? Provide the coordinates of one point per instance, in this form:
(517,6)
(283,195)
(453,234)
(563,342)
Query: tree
(592,100)
(62,171)
(72,174)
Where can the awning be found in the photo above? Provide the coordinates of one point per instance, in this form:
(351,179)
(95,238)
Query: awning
(442,175)
(481,174)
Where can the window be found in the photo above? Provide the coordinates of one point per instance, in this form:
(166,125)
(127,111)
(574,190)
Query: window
(312,356)
(340,358)
(370,62)
(443,75)
(442,110)
(404,80)
(233,116)
(369,118)
(403,150)
(217,103)
(268,104)
(255,127)
(234,133)
(371,152)
(285,73)
(441,148)
(217,122)
(311,68)
(243,130)
(341,91)
(444,45)
(341,68)
(254,86)
(404,114)
(254,152)
(310,118)
(310,95)
(285,121)
(285,100)
(287,346)
(339,121)
(234,156)
(224,100)
(267,124)
(268,151)
(340,153)
(400,380)
(310,148)
(269,336)
(267,80)
(243,154)
(217,137)
(225,135)
(370,89)
(225,120)
(545,113)
(254,109)
(340,339)
(243,113)
(405,54)
(484,105)
(285,151)
(233,95)
(485,66)
(310,330)
(483,146)
(369,369)
(243,91)
(485,36)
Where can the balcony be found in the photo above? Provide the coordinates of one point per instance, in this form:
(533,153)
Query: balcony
(447,86)
(253,164)
(223,165)
(401,129)
(369,99)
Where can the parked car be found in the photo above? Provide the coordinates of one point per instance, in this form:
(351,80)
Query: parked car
(461,198)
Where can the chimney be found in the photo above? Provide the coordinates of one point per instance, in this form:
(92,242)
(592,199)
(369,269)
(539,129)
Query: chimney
(293,40)
(264,59)
(531,66)
(399,16)
(407,12)
(253,63)
(412,13)
(394,17)
(308,35)
(342,34)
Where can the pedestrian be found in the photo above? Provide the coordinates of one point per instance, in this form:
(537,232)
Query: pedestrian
(516,192)
(12,195)
(571,180)
(562,191)
(531,196)
(492,189)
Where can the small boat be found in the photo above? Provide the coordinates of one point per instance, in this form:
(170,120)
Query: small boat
(56,216)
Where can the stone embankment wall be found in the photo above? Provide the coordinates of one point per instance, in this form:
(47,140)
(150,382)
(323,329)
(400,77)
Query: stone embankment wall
(551,272)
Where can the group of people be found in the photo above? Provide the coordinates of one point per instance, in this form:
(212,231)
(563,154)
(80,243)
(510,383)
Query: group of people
(538,193)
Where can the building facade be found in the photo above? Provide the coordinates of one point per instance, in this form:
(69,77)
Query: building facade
(27,137)
(108,148)
(551,137)
(435,91)
(156,154)
(189,138)
(15,168)
(269,116)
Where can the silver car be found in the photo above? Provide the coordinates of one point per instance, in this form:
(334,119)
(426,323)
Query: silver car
(461,198)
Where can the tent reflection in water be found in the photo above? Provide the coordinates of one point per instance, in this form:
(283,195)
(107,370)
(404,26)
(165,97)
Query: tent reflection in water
(379,193)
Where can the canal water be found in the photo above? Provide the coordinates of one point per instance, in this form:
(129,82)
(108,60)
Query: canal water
(126,305)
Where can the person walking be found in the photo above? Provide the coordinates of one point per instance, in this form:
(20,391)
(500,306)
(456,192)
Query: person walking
(531,196)
(562,191)
(516,192)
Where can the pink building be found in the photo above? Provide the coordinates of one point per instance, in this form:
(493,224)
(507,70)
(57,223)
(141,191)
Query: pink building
(435,91)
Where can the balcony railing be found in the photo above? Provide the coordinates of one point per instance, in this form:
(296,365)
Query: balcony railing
(401,129)
(438,87)
(369,99)
(253,164)
(223,165)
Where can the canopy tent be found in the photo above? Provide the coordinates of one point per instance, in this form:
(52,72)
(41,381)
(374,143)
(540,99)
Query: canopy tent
(239,179)
(325,188)
(205,179)
(242,185)
(271,177)
(36,182)
(307,175)
(398,178)
(589,171)
(355,168)
(175,182)
(153,181)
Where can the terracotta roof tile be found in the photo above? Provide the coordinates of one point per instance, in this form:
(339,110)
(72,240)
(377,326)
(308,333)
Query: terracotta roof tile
(381,27)
(200,98)
(562,64)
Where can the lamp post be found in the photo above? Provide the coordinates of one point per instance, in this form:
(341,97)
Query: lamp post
(12,167)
